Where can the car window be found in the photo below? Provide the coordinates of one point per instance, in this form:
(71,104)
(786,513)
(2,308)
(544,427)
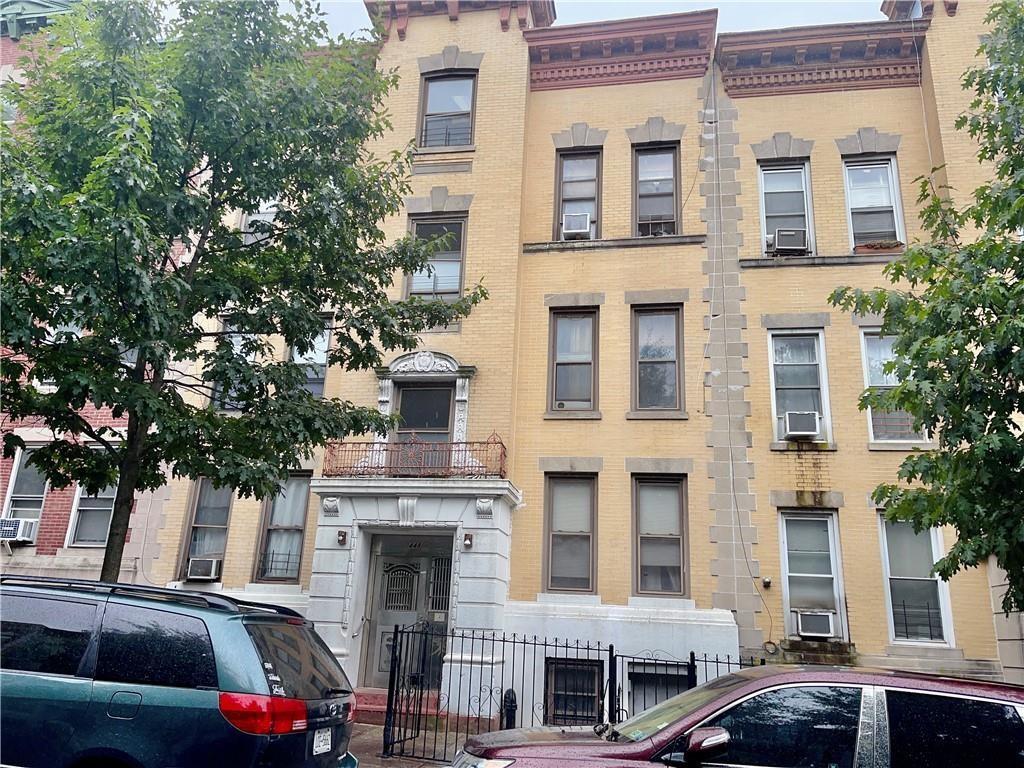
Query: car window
(944,730)
(150,647)
(296,661)
(39,634)
(806,727)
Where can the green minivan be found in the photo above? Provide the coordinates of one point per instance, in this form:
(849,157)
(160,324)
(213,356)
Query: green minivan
(122,676)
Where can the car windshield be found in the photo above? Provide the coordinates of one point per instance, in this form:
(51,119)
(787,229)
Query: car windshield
(660,716)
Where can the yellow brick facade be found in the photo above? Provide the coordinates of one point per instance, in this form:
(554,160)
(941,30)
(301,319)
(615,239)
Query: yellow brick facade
(512,184)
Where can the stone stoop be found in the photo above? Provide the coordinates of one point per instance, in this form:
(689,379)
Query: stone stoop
(372,705)
(830,652)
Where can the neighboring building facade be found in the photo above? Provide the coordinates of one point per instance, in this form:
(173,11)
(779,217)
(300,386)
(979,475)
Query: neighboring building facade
(602,449)
(64,530)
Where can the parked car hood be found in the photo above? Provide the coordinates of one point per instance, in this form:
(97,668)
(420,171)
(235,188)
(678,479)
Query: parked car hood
(571,742)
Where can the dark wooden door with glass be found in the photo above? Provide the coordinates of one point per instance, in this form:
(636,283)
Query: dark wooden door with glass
(422,441)
(410,584)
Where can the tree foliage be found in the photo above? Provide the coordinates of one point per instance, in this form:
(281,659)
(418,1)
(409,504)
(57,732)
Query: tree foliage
(956,310)
(137,139)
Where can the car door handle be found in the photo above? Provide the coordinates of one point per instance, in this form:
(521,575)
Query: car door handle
(124,705)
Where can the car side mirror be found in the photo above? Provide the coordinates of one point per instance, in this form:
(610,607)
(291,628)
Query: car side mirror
(704,744)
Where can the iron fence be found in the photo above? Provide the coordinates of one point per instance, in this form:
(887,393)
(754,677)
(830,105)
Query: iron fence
(446,686)
(416,458)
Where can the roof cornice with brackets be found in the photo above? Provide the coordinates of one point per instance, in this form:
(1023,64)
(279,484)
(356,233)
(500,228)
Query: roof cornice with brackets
(395,14)
(668,47)
(835,57)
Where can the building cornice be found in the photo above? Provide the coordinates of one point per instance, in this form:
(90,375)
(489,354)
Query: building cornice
(395,14)
(816,59)
(667,47)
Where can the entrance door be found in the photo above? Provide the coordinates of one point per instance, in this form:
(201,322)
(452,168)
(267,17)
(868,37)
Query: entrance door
(410,584)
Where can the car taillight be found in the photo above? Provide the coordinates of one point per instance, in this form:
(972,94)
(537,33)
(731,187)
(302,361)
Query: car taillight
(263,715)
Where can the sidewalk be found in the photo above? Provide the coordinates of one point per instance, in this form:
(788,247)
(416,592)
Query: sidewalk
(366,745)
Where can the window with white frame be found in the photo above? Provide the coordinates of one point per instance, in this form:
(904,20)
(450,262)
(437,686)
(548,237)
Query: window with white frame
(786,199)
(873,199)
(916,599)
(284,530)
(314,362)
(798,379)
(28,489)
(442,278)
(92,518)
(812,586)
(263,218)
(885,424)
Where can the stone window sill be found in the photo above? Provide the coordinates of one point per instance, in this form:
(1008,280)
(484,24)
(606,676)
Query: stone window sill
(572,415)
(817,261)
(618,242)
(433,151)
(793,446)
(898,445)
(653,415)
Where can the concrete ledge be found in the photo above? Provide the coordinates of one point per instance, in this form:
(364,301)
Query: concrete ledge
(620,242)
(573,299)
(421,169)
(796,320)
(905,447)
(591,464)
(817,261)
(658,296)
(443,150)
(806,499)
(659,466)
(808,447)
(657,415)
(572,415)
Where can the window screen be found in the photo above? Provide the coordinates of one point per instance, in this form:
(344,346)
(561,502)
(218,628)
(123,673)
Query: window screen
(43,634)
(146,646)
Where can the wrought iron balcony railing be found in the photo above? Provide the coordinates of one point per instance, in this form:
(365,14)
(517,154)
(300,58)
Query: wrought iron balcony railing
(416,458)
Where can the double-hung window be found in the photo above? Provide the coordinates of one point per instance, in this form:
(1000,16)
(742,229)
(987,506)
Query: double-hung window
(873,198)
(263,219)
(28,489)
(571,506)
(579,199)
(443,277)
(423,436)
(916,598)
(658,520)
(283,532)
(225,396)
(885,424)
(811,567)
(209,535)
(785,200)
(314,363)
(448,111)
(656,351)
(573,358)
(92,521)
(656,191)
(798,380)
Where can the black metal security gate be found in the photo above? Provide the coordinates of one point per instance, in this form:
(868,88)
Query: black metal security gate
(446,686)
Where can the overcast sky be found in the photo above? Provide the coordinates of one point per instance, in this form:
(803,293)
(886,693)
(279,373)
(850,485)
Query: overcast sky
(348,16)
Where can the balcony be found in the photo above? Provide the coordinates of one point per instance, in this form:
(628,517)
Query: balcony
(416,458)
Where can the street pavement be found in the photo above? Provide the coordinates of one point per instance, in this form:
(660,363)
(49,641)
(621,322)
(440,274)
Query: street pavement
(366,745)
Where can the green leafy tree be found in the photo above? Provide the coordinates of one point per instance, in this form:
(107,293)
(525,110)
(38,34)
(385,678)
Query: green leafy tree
(137,140)
(956,310)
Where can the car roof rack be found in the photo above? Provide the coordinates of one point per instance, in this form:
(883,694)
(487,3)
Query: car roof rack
(219,602)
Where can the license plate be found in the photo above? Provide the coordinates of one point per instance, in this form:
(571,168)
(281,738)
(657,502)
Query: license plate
(321,741)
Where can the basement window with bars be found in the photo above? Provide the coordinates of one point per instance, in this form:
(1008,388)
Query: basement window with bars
(572,691)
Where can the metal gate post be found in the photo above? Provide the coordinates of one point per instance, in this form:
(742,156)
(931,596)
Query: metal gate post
(691,671)
(389,714)
(613,686)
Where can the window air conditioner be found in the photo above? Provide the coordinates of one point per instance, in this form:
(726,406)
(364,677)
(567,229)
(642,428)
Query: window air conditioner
(801,424)
(788,241)
(18,529)
(203,569)
(814,624)
(575,226)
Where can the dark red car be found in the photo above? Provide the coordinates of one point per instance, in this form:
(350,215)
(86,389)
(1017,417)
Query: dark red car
(789,717)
